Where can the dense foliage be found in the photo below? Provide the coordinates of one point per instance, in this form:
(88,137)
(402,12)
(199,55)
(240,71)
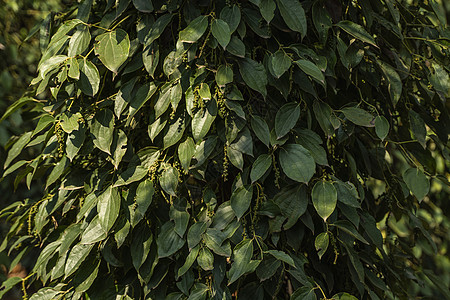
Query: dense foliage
(268,149)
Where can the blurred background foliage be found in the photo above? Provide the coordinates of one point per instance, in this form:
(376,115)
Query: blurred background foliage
(19,55)
(20,50)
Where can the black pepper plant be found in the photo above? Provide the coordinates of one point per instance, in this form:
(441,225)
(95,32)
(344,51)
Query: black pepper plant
(261,149)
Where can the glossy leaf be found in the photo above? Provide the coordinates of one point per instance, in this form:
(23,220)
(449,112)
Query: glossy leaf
(241,199)
(260,167)
(297,163)
(324,198)
(286,118)
(294,15)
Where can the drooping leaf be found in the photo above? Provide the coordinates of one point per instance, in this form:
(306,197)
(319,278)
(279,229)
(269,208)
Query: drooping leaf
(89,82)
(321,243)
(297,163)
(417,182)
(241,199)
(224,75)
(358,116)
(260,167)
(231,15)
(281,62)
(311,69)
(221,31)
(102,129)
(294,15)
(357,31)
(112,48)
(324,198)
(254,75)
(286,118)
(418,128)
(108,207)
(195,29)
(381,127)
(261,129)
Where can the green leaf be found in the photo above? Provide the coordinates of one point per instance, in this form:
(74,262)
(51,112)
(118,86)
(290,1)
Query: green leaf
(156,127)
(178,213)
(304,293)
(254,75)
(45,294)
(231,15)
(108,207)
(186,151)
(294,15)
(323,114)
(144,196)
(9,284)
(190,259)
(280,255)
(170,93)
(102,129)
(195,232)
(17,148)
(242,255)
(168,240)
(15,106)
(347,193)
(119,147)
(324,198)
(312,141)
(267,9)
(293,202)
(260,166)
(261,129)
(357,31)
(89,81)
(311,69)
(195,29)
(221,31)
(86,276)
(174,132)
(144,6)
(157,28)
(224,75)
(150,58)
(297,163)
(143,94)
(140,245)
(205,259)
(417,126)
(169,180)
(236,47)
(57,171)
(281,62)
(112,48)
(76,256)
(321,243)
(203,119)
(79,42)
(286,118)
(393,80)
(241,199)
(347,227)
(69,121)
(381,127)
(417,182)
(358,116)
(132,174)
